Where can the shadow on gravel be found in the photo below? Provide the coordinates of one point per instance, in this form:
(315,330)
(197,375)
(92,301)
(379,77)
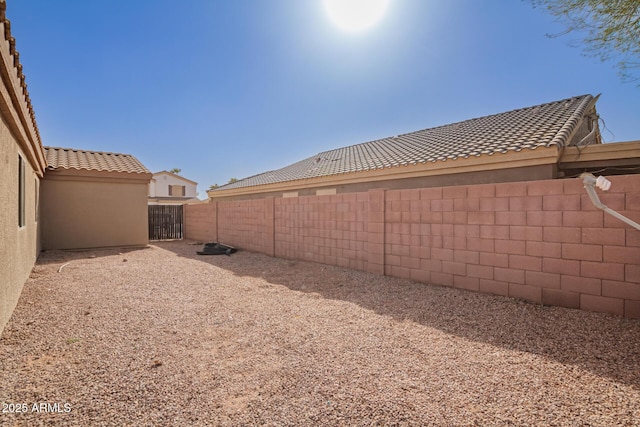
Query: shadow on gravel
(602,344)
(64,256)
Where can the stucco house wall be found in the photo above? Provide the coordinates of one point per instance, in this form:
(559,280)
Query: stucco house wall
(88,199)
(19,138)
(159,189)
(85,210)
(19,249)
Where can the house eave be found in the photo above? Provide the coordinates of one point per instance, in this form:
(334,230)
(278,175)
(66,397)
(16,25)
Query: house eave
(172,200)
(62,174)
(601,155)
(175,176)
(486,162)
(15,104)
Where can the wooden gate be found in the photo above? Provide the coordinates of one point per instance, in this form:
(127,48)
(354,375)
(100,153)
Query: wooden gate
(165,222)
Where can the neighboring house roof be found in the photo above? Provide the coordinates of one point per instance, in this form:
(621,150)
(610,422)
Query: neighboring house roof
(176,198)
(546,125)
(172,200)
(69,158)
(175,176)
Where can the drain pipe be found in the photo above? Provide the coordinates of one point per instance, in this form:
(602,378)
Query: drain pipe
(590,182)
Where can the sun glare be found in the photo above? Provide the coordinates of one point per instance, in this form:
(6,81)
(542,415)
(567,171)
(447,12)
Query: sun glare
(355,15)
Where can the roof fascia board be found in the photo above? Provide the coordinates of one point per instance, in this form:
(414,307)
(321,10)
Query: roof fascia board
(97,176)
(177,199)
(175,176)
(539,156)
(600,152)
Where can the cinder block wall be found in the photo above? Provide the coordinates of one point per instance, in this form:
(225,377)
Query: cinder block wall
(247,224)
(200,222)
(542,241)
(327,229)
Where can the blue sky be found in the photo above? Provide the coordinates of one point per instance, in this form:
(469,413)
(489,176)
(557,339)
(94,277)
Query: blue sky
(232,88)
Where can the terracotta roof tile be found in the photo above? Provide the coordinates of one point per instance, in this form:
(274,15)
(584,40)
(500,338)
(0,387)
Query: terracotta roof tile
(523,129)
(15,70)
(16,61)
(69,158)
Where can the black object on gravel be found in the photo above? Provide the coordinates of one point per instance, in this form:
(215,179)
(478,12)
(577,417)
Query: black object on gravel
(217,249)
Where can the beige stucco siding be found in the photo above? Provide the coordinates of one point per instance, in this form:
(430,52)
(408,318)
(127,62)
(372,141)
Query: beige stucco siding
(18,245)
(159,186)
(93,212)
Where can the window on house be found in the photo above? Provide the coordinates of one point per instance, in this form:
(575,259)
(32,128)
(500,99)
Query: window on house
(177,190)
(21,191)
(37,199)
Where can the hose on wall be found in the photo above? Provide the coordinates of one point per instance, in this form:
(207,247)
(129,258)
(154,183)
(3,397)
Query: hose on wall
(590,182)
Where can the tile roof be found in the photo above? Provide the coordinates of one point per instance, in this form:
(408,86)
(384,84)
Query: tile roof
(69,158)
(17,85)
(16,61)
(523,129)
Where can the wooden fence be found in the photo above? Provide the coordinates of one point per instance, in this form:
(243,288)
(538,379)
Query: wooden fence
(166,222)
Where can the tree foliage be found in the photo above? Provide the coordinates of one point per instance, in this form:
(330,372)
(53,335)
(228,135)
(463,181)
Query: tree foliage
(231,181)
(175,171)
(610,29)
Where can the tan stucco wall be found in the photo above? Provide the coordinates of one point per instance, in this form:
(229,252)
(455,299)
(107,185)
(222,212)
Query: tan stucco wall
(159,185)
(18,245)
(93,212)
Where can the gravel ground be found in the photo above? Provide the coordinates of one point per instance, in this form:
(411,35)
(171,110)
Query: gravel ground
(161,336)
